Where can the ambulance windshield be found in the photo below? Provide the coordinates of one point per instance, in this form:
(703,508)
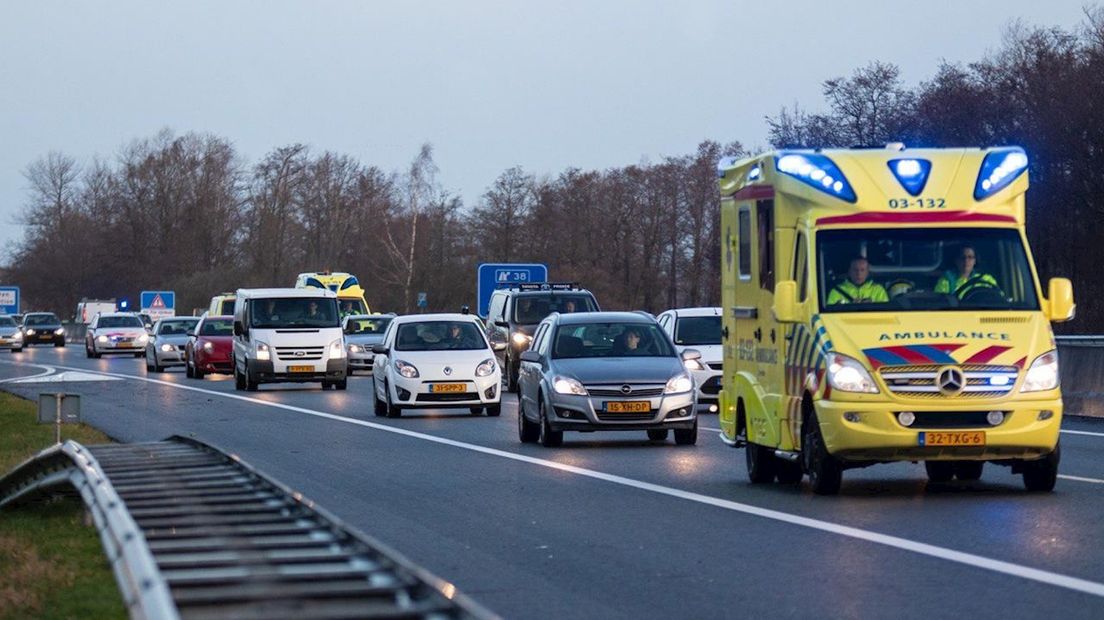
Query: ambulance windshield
(927,269)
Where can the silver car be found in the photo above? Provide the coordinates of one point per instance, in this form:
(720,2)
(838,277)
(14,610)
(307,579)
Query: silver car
(605,371)
(11,337)
(166,345)
(361,332)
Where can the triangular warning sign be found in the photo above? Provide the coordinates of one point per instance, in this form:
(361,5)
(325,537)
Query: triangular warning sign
(157,302)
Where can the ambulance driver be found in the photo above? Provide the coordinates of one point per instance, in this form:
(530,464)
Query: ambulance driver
(857,287)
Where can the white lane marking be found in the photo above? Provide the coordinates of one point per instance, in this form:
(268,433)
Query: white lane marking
(904,544)
(63,377)
(1081,479)
(49,370)
(1072,432)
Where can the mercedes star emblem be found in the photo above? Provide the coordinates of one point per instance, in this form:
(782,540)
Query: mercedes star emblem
(950,381)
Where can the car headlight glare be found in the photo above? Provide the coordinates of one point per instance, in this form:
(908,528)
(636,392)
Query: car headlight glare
(849,375)
(337,349)
(355,348)
(485,368)
(17,336)
(1042,374)
(101,339)
(406,369)
(60,331)
(678,384)
(567,385)
(264,353)
(143,338)
(166,347)
(208,346)
(30,332)
(521,340)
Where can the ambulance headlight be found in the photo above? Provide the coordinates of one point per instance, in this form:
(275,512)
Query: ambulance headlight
(816,171)
(998,170)
(849,375)
(1042,374)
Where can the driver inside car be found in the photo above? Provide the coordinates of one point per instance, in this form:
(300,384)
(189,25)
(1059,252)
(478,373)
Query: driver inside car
(965,279)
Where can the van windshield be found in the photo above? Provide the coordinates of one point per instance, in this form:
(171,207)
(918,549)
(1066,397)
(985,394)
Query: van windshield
(906,270)
(286,312)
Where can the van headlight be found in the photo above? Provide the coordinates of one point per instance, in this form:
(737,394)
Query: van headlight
(337,350)
(485,368)
(521,340)
(406,369)
(355,348)
(678,384)
(849,375)
(1043,373)
(567,385)
(264,352)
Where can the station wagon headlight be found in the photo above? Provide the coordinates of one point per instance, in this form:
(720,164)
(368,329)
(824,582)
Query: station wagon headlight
(406,369)
(337,349)
(679,383)
(166,347)
(567,385)
(485,368)
(1043,373)
(264,352)
(849,375)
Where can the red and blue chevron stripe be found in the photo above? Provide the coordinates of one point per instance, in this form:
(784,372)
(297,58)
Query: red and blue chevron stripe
(913,354)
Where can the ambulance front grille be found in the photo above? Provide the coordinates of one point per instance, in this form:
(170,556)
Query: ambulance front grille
(982,381)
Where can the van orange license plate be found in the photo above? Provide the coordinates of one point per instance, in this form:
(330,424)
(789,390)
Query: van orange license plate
(965,438)
(300,368)
(630,406)
(446,388)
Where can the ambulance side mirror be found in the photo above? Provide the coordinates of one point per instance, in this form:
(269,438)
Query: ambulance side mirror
(1060,300)
(785,308)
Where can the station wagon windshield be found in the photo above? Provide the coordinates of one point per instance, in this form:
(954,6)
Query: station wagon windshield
(290,312)
(611,340)
(902,270)
(34,320)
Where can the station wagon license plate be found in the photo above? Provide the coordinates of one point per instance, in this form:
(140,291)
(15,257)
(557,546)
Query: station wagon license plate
(630,406)
(964,438)
(446,388)
(300,368)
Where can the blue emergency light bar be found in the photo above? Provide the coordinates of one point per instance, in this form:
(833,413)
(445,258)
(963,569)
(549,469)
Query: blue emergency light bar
(998,170)
(912,174)
(816,170)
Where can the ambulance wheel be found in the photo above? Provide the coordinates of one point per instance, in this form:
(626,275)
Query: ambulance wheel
(761,463)
(789,472)
(940,471)
(1040,475)
(969,470)
(825,472)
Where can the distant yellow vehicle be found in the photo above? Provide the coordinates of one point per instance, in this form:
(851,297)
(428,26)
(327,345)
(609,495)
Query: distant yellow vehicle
(350,295)
(883,305)
(222,305)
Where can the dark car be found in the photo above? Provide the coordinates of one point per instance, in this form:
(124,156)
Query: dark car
(210,347)
(616,371)
(516,309)
(43,328)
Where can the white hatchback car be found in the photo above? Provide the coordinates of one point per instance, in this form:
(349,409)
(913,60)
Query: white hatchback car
(116,332)
(430,361)
(700,329)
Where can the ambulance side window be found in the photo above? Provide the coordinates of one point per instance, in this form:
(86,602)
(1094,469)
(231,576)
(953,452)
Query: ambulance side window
(744,234)
(765,216)
(801,267)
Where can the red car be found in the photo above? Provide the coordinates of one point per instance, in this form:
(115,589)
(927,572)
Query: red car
(210,347)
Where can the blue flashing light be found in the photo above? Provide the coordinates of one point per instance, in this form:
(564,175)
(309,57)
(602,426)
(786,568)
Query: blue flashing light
(912,174)
(123,304)
(755,172)
(816,171)
(998,170)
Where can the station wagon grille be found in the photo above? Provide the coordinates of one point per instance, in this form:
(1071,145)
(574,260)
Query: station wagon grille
(980,381)
(635,391)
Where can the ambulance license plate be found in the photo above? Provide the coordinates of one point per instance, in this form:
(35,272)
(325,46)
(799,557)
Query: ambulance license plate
(300,368)
(446,388)
(963,438)
(628,406)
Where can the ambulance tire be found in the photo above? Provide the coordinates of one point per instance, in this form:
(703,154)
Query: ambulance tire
(969,470)
(1041,475)
(940,471)
(761,463)
(825,471)
(789,472)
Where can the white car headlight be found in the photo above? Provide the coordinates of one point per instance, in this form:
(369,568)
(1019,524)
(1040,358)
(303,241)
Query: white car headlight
(1042,374)
(521,340)
(166,347)
(406,369)
(102,339)
(849,375)
(485,368)
(337,350)
(208,346)
(678,384)
(17,336)
(693,365)
(30,332)
(60,331)
(143,338)
(567,385)
(264,353)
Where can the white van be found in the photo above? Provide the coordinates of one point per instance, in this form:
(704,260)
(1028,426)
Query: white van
(284,335)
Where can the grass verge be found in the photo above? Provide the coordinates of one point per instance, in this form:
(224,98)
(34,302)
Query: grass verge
(52,565)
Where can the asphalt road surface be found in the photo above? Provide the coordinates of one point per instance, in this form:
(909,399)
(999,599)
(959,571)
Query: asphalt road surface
(614,526)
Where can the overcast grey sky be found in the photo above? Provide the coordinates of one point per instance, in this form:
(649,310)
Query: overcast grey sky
(543,85)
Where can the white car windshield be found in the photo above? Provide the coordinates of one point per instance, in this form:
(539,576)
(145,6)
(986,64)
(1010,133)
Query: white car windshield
(119,321)
(439,336)
(611,340)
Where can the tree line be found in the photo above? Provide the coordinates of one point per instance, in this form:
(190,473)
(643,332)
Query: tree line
(188,213)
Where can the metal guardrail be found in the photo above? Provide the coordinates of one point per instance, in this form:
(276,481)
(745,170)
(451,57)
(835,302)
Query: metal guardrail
(197,533)
(1080,341)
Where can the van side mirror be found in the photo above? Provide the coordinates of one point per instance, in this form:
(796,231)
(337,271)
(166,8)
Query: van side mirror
(1060,304)
(785,306)
(239,328)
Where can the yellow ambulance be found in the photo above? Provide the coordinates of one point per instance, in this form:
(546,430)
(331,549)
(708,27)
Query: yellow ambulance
(882,305)
(350,295)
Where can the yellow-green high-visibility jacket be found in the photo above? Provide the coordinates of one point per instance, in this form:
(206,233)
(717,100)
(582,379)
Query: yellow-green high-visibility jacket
(951,282)
(847,292)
